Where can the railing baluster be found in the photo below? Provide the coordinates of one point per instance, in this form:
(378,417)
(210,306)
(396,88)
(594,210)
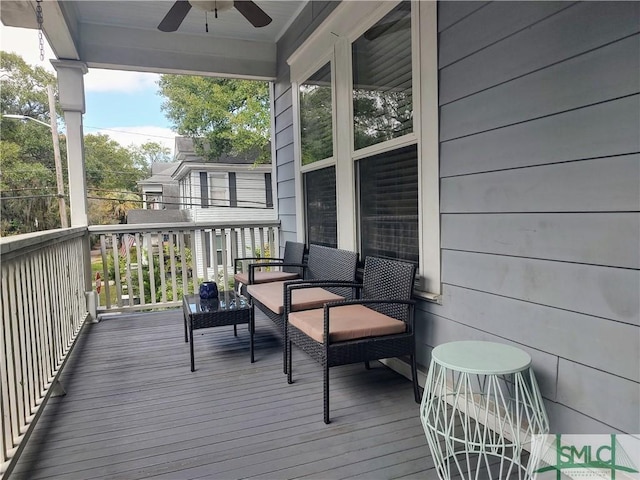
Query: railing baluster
(6,442)
(116,268)
(140,274)
(14,361)
(9,378)
(214,242)
(183,264)
(163,282)
(225,270)
(205,252)
(253,243)
(172,254)
(243,240)
(32,345)
(105,270)
(48,318)
(150,259)
(127,269)
(194,263)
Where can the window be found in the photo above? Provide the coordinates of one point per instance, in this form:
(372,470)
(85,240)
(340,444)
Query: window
(384,161)
(219,189)
(320,202)
(382,77)
(204,190)
(233,192)
(268,187)
(316,125)
(388,205)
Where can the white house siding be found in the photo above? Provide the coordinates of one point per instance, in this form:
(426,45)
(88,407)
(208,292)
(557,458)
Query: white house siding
(228,215)
(540,193)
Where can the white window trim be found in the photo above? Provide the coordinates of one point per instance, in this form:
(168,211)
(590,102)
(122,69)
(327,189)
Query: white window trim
(310,69)
(333,39)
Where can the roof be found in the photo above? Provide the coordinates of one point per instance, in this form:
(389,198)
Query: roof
(185,152)
(161,173)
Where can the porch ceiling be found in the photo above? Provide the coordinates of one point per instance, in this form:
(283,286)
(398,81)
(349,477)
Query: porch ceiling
(122,34)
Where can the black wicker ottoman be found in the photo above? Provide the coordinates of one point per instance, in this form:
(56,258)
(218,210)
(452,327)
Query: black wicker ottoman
(229,308)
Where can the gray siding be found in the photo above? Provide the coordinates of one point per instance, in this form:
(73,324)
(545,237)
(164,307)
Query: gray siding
(540,192)
(311,16)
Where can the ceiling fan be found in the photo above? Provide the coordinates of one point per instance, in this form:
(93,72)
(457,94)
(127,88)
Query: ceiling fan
(249,10)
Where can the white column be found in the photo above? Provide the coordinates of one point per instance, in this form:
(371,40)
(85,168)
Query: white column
(71,97)
(71,93)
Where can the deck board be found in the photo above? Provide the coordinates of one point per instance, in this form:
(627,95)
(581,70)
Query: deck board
(134,410)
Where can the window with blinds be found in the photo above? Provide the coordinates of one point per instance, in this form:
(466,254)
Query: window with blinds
(382,93)
(320,205)
(316,125)
(388,191)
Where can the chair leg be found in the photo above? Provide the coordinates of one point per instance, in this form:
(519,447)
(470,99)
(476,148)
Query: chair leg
(414,375)
(326,394)
(366,365)
(289,369)
(286,346)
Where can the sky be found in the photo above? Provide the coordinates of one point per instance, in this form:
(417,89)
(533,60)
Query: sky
(123,105)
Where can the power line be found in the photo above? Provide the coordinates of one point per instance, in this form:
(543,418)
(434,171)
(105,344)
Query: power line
(132,133)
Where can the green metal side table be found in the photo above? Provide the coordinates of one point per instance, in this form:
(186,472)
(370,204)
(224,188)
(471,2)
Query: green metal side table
(480,409)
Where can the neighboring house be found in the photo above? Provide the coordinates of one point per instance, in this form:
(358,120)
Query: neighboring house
(160,191)
(228,189)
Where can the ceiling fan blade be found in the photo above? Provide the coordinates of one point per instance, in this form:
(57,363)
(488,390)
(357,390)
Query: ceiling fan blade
(252,12)
(175,16)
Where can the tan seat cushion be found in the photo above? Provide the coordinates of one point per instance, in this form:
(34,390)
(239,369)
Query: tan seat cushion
(348,322)
(265,277)
(270,295)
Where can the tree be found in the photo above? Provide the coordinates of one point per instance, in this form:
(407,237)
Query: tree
(24,87)
(223,116)
(27,168)
(112,172)
(153,152)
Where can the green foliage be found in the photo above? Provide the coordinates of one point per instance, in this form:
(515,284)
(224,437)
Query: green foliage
(146,277)
(111,166)
(27,167)
(153,152)
(223,116)
(24,88)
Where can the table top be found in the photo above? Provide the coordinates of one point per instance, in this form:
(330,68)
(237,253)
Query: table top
(227,301)
(484,358)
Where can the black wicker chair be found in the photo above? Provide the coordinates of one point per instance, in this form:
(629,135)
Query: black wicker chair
(286,268)
(377,325)
(323,264)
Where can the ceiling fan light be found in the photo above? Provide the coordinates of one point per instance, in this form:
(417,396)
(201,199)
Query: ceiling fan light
(212,5)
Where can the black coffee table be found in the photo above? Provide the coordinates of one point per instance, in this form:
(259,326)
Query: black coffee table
(229,308)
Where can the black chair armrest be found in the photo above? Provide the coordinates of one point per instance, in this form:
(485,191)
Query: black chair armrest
(237,260)
(253,266)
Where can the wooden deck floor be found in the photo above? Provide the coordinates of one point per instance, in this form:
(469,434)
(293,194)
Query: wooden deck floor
(134,410)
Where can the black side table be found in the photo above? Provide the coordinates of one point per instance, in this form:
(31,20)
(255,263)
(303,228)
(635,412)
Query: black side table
(229,308)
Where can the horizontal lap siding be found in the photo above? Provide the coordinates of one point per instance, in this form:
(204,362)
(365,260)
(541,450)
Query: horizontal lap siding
(540,193)
(308,19)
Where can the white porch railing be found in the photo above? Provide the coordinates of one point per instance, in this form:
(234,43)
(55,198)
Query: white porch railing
(43,309)
(152,265)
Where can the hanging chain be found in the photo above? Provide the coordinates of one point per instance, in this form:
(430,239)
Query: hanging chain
(40,20)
